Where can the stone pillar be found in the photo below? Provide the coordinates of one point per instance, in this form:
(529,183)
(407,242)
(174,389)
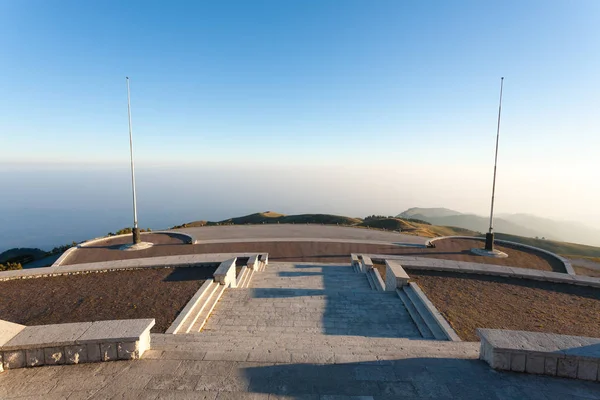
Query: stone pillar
(489,241)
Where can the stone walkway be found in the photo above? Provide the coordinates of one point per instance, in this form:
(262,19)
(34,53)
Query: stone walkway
(312,299)
(300,332)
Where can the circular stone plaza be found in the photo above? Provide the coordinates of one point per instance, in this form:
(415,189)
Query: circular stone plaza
(299,312)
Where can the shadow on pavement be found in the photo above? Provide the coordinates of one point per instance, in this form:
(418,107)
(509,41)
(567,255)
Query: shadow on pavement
(191,274)
(413,378)
(343,300)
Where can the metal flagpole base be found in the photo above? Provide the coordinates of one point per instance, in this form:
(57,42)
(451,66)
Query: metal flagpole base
(489,250)
(136,236)
(488,253)
(136,246)
(489,241)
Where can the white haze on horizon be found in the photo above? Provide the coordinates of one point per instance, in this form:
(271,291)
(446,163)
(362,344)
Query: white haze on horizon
(52,204)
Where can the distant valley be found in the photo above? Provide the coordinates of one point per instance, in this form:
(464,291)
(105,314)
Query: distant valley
(513,224)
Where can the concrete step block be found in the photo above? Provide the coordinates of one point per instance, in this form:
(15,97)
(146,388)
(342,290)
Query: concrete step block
(437,332)
(415,315)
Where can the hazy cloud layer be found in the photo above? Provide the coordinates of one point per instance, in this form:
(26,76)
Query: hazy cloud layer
(54,204)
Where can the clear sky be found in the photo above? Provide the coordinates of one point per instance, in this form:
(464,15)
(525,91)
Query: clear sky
(395,94)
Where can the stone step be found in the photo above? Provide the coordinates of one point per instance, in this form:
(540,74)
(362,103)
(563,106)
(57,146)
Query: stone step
(249,279)
(371,282)
(203,338)
(244,280)
(437,332)
(241,278)
(362,348)
(210,305)
(198,308)
(417,319)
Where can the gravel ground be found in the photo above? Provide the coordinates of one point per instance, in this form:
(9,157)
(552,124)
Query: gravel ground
(477,301)
(145,293)
(586,271)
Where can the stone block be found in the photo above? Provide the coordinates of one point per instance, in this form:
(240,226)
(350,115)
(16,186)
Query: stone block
(34,357)
(535,364)
(144,343)
(42,336)
(126,330)
(76,354)
(567,368)
(54,356)
(395,275)
(93,352)
(517,362)
(500,360)
(128,350)
(225,273)
(9,330)
(550,365)
(366,264)
(253,262)
(265,258)
(109,351)
(587,370)
(14,359)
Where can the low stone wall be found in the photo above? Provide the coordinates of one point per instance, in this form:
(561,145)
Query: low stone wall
(435,264)
(541,353)
(566,263)
(74,343)
(184,236)
(192,260)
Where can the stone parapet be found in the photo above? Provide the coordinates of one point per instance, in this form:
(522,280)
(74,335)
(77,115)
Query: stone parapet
(565,356)
(76,343)
(395,275)
(225,273)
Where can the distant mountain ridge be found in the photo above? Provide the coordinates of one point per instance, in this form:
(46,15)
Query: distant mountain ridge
(514,224)
(429,212)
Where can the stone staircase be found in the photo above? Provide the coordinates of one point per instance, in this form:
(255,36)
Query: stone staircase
(421,316)
(309,313)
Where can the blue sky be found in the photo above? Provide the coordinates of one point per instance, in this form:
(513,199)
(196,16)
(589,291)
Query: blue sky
(399,85)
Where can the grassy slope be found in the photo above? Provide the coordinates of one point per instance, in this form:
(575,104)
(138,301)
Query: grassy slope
(415,228)
(270,217)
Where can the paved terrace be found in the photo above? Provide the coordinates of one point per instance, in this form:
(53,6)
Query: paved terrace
(301,331)
(290,232)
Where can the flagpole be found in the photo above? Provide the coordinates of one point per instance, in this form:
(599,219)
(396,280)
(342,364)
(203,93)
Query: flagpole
(489,237)
(136,231)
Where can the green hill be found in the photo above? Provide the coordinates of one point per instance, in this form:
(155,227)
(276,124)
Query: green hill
(271,217)
(21,255)
(416,227)
(415,212)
